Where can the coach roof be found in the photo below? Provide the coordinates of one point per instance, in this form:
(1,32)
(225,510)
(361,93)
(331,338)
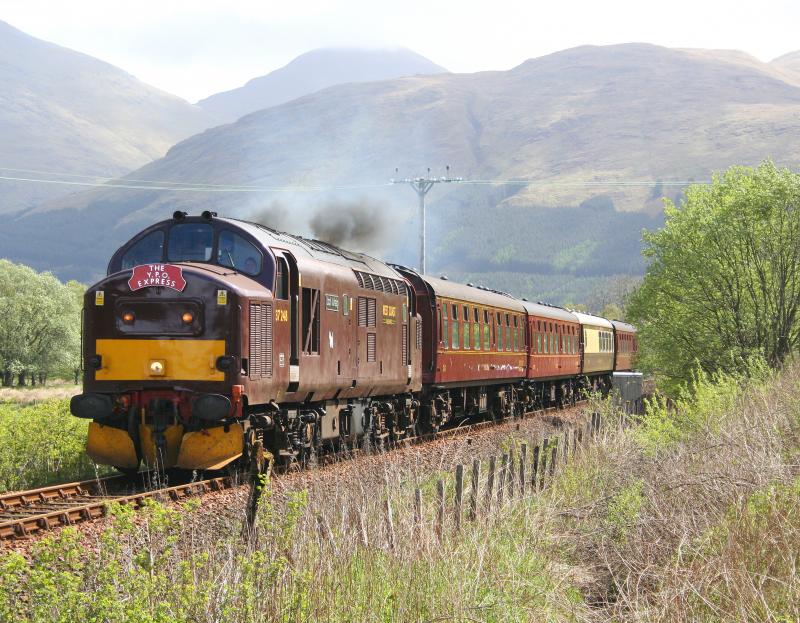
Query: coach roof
(595,321)
(471,294)
(549,311)
(619,325)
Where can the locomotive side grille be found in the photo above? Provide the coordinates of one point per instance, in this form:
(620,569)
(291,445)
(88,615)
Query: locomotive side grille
(378,283)
(371,312)
(419,334)
(371,354)
(255,341)
(267,340)
(362,311)
(260,341)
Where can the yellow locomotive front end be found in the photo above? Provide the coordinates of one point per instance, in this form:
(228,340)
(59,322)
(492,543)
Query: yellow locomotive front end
(160,370)
(163,375)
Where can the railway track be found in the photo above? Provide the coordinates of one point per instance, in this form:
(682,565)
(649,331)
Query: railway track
(27,513)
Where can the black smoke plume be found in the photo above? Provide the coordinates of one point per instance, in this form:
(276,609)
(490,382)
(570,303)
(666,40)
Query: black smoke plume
(360,225)
(275,216)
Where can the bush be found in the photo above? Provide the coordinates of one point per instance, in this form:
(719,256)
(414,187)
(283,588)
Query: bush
(42,444)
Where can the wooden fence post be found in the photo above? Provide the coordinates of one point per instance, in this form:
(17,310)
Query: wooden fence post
(523,458)
(473,502)
(543,469)
(575,441)
(459,494)
(418,509)
(490,483)
(553,459)
(440,507)
(362,528)
(535,469)
(511,475)
(387,509)
(501,485)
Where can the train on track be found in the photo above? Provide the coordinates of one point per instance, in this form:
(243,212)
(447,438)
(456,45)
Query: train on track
(211,334)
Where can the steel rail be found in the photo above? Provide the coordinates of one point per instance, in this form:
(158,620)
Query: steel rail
(30,512)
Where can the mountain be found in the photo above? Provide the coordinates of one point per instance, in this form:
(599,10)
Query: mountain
(604,132)
(789,64)
(313,71)
(69,113)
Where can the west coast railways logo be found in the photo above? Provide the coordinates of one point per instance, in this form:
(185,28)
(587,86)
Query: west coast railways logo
(157,276)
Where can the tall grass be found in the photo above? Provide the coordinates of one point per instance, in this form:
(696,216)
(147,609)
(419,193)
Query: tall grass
(691,516)
(41,444)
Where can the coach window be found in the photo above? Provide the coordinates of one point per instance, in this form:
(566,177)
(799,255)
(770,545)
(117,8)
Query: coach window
(149,250)
(487,338)
(454,342)
(236,252)
(190,242)
(445,334)
(499,333)
(476,332)
(466,330)
(508,332)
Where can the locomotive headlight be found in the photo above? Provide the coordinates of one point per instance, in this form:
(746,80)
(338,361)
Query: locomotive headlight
(188,317)
(128,317)
(157,367)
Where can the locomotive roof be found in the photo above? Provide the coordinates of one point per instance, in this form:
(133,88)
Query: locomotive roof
(549,311)
(619,325)
(313,249)
(471,294)
(596,321)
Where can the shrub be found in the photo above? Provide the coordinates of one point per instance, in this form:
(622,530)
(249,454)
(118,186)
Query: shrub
(42,444)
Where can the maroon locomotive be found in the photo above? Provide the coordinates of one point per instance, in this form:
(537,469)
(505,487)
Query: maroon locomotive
(211,333)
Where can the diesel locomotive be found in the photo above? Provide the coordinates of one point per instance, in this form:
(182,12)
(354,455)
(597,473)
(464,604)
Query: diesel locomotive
(209,334)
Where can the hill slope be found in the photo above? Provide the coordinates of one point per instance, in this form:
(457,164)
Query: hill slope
(67,112)
(789,64)
(590,115)
(313,71)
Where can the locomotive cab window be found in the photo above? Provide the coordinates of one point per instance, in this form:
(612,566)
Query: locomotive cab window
(281,279)
(148,250)
(310,321)
(190,242)
(237,253)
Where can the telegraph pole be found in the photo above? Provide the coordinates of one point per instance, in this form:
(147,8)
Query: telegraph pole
(422,185)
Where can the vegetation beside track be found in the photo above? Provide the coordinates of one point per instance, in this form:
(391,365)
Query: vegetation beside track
(692,515)
(41,444)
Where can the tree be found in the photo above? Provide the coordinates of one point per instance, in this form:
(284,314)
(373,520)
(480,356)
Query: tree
(723,283)
(39,323)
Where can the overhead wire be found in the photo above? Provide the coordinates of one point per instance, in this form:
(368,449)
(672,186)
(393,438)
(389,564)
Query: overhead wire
(98,181)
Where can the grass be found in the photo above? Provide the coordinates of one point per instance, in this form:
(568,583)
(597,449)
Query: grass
(28,395)
(693,515)
(41,444)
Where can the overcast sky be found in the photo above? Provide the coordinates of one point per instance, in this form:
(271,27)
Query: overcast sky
(194,48)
